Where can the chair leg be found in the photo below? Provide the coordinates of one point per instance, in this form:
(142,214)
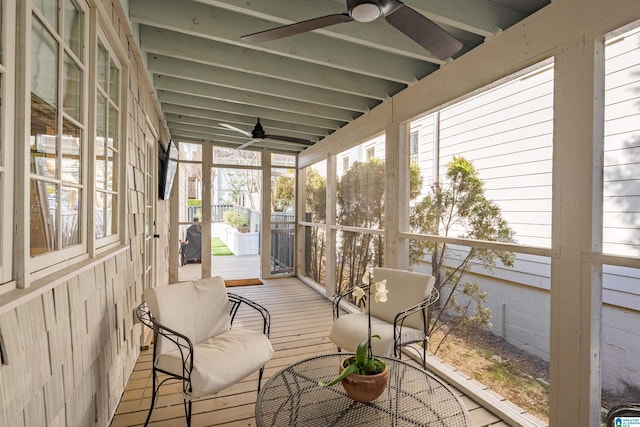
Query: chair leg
(153,396)
(187,411)
(260,377)
(187,400)
(425,343)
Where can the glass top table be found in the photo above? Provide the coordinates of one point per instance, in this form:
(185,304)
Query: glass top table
(413,397)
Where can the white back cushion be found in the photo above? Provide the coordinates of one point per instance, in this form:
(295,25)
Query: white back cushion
(199,309)
(406,289)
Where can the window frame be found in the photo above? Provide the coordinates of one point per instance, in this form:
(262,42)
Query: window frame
(346,164)
(370,152)
(99,243)
(7,132)
(414,147)
(43,264)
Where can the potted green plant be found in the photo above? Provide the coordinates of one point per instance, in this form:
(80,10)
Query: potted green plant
(363,376)
(239,221)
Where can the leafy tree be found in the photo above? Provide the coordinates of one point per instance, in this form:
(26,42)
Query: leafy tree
(361,198)
(242,182)
(283,193)
(236,185)
(459,206)
(315,208)
(316,197)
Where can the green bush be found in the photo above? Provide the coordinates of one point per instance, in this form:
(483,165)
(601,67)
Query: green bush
(235,219)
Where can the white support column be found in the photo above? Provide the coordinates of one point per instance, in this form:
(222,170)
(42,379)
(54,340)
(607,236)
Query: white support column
(174,227)
(207,192)
(330,274)
(402,221)
(576,290)
(265,227)
(392,194)
(396,252)
(301,231)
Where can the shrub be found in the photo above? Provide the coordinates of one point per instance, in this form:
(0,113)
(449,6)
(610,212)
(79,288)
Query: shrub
(235,219)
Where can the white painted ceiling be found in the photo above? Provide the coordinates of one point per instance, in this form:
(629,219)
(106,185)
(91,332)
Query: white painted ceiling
(304,86)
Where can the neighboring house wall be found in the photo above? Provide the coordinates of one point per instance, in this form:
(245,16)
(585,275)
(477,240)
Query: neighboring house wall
(70,340)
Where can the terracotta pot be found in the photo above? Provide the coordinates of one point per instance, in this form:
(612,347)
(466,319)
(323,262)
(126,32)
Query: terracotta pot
(365,388)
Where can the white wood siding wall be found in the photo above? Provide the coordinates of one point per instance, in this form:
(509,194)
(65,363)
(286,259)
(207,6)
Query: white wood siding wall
(506,132)
(621,190)
(70,340)
(622,146)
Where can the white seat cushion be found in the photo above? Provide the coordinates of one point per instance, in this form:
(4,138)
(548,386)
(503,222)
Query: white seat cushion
(221,360)
(349,330)
(406,289)
(198,309)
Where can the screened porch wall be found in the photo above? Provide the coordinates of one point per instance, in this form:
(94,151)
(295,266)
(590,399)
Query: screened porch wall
(572,220)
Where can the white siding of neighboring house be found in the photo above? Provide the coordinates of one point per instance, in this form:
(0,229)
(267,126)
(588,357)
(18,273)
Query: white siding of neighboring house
(622,147)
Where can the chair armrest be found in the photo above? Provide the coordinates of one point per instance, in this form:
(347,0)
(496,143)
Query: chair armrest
(236,301)
(338,299)
(182,342)
(431,299)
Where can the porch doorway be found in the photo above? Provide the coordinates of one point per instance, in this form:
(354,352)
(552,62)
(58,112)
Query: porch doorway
(235,213)
(231,239)
(218,204)
(236,221)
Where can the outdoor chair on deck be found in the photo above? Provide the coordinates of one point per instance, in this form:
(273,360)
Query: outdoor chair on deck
(190,248)
(400,321)
(194,341)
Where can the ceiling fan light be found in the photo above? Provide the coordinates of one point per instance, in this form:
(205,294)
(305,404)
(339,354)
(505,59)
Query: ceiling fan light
(365,12)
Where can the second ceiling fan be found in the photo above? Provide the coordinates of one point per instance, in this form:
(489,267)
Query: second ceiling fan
(258,134)
(414,25)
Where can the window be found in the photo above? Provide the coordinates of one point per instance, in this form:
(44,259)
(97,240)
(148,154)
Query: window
(371,152)
(108,144)
(345,164)
(58,128)
(413,148)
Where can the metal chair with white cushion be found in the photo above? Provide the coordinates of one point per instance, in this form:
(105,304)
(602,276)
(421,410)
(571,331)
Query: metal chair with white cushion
(194,340)
(400,321)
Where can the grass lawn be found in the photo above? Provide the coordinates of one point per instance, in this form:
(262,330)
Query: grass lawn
(218,248)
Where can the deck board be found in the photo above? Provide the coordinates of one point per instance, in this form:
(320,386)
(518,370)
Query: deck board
(300,322)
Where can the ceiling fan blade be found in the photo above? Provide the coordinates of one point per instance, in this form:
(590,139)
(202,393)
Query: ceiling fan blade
(248,143)
(423,31)
(233,128)
(297,28)
(289,139)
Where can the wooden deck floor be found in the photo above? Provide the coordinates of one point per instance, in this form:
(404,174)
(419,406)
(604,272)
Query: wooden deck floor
(300,323)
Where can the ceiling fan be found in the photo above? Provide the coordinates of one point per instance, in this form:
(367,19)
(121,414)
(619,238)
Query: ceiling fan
(258,134)
(413,24)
